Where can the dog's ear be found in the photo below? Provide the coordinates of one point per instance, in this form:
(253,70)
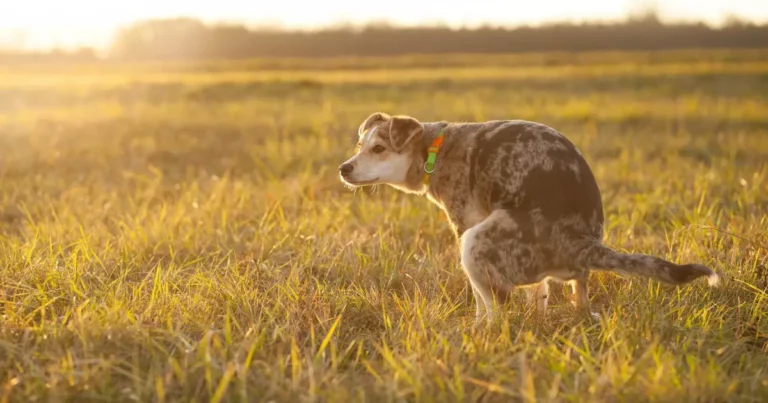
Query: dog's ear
(373,118)
(403,130)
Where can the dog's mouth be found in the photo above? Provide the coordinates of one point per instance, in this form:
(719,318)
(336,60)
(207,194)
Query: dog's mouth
(353,182)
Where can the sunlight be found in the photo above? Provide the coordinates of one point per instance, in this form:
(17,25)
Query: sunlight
(45,24)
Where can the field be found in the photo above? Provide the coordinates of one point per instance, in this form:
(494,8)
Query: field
(178,232)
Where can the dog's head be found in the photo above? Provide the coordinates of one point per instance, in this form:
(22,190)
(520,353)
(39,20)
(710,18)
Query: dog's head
(388,148)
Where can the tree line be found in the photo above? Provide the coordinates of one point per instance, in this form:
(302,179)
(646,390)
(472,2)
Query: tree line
(191,39)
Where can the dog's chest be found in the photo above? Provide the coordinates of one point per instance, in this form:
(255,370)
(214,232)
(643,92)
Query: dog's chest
(472,217)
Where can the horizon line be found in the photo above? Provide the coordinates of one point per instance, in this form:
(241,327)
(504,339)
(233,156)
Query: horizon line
(341,24)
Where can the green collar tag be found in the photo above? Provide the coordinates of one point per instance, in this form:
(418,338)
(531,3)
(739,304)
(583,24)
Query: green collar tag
(429,165)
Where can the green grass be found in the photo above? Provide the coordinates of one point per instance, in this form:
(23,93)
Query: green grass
(180,234)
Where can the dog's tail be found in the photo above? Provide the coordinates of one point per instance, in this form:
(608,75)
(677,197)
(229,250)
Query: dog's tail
(600,257)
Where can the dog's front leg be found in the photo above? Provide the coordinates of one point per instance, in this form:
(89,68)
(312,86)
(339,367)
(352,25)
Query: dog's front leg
(478,277)
(479,306)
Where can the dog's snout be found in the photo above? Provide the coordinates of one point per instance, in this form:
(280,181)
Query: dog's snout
(346,168)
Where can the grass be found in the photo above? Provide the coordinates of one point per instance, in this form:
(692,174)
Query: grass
(181,235)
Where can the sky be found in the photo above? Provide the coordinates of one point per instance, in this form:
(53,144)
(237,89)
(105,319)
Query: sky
(45,24)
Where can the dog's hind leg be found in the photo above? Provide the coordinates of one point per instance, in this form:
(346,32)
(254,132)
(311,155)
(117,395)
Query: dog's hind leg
(581,294)
(539,295)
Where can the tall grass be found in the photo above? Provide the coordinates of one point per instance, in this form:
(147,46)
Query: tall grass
(188,239)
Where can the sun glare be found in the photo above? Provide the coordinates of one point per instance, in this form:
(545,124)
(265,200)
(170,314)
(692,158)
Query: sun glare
(45,23)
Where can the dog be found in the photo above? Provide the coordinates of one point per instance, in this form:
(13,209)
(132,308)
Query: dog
(522,201)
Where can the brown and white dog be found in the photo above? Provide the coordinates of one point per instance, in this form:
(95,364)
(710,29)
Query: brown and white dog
(520,197)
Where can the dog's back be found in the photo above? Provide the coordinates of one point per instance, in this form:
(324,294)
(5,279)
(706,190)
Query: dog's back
(525,167)
(534,170)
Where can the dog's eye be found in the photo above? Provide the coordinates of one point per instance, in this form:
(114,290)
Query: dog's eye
(377,149)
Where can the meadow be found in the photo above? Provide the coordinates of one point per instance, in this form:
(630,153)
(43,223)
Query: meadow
(178,232)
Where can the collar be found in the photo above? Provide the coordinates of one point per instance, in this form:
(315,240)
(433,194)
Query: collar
(434,148)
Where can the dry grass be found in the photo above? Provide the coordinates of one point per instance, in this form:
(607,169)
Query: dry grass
(185,238)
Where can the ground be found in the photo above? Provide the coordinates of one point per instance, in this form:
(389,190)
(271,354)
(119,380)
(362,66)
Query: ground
(178,232)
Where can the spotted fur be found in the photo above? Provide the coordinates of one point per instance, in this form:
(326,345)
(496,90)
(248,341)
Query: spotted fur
(520,197)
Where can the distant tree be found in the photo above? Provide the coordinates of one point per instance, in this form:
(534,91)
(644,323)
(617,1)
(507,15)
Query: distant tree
(189,39)
(179,38)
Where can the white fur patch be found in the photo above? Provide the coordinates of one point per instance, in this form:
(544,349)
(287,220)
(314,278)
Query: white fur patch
(371,170)
(713,280)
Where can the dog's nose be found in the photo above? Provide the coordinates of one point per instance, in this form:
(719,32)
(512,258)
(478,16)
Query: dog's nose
(346,168)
